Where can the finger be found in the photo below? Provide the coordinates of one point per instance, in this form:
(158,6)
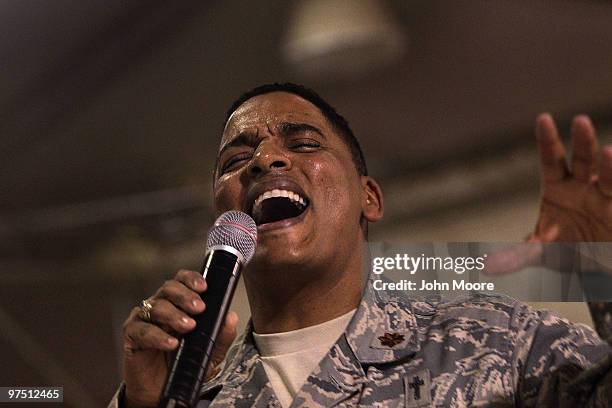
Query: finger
(549,233)
(584,148)
(513,259)
(552,152)
(192,279)
(170,317)
(181,296)
(139,335)
(605,172)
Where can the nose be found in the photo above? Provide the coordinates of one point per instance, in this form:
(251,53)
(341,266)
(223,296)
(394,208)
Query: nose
(268,157)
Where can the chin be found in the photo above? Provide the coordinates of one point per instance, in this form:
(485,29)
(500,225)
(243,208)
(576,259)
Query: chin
(277,258)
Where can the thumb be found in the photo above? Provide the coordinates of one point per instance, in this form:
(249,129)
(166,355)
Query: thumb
(224,340)
(514,258)
(519,256)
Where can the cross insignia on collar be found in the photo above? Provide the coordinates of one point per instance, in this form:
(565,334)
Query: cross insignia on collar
(417,389)
(391,339)
(416,386)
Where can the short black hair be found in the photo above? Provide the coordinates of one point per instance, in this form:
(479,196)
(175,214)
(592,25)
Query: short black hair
(339,123)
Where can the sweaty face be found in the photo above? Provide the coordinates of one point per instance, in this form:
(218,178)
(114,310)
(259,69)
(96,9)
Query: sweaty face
(282,162)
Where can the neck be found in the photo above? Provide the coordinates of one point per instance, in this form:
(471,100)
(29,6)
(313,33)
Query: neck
(292,299)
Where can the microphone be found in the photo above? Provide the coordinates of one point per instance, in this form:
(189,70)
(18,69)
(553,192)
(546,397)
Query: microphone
(230,245)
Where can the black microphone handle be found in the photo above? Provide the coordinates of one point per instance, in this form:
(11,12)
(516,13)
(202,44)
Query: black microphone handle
(221,271)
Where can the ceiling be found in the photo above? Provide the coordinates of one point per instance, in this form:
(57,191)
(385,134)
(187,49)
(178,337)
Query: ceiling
(106,98)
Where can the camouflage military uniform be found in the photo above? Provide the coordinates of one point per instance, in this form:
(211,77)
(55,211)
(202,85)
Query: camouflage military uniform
(482,351)
(485,350)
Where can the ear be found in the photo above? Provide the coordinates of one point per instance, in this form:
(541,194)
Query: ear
(372,199)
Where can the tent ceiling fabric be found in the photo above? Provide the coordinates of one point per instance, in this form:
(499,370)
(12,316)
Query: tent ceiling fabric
(473,77)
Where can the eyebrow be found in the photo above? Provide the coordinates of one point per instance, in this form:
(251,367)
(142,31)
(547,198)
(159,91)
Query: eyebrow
(289,128)
(243,138)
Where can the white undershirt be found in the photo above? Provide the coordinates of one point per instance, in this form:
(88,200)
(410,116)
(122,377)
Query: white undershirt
(289,357)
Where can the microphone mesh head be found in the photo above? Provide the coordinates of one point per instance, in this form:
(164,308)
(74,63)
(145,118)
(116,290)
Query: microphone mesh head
(237,230)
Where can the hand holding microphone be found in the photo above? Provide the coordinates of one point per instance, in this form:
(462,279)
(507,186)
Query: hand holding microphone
(150,339)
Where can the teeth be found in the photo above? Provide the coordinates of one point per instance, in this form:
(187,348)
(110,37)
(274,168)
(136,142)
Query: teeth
(295,197)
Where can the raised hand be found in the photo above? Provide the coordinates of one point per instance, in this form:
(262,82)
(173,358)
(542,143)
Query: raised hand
(576,199)
(576,203)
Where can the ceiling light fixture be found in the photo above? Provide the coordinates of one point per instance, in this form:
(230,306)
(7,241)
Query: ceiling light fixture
(341,38)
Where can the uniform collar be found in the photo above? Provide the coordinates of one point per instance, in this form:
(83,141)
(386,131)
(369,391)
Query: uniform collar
(383,330)
(384,327)
(242,381)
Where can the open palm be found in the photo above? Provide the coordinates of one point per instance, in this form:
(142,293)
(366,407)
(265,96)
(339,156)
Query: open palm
(576,202)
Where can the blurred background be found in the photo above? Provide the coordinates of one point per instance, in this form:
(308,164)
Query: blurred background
(111,113)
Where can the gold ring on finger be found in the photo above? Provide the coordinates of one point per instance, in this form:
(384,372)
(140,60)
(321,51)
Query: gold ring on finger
(145,310)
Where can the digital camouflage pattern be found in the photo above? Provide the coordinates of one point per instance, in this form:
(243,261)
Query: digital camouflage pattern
(479,351)
(485,350)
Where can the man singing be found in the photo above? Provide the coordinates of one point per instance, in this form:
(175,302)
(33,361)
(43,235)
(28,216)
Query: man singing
(320,336)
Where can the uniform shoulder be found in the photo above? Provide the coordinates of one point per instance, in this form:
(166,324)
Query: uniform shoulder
(492,309)
(499,311)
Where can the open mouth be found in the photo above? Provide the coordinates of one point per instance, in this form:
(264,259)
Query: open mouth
(278,205)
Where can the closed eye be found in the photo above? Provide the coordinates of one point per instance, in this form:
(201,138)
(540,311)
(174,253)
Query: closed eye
(304,144)
(234,162)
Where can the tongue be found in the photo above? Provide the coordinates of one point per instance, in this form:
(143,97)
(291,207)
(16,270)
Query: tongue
(276,209)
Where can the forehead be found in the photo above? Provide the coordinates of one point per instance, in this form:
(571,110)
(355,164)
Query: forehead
(269,110)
